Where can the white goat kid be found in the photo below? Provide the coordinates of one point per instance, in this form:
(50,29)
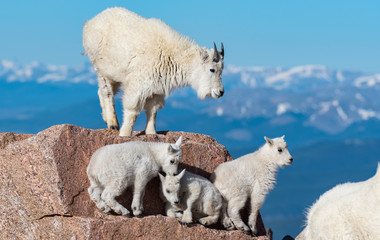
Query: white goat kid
(349,211)
(147,59)
(250,176)
(115,167)
(189,196)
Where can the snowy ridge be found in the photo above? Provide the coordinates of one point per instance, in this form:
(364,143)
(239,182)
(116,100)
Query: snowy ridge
(329,100)
(278,78)
(299,77)
(41,73)
(367,81)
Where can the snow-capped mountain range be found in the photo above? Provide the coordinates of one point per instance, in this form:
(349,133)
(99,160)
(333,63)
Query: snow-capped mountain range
(278,78)
(41,73)
(331,100)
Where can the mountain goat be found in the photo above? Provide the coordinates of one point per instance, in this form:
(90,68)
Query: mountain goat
(349,211)
(147,59)
(250,176)
(188,194)
(115,167)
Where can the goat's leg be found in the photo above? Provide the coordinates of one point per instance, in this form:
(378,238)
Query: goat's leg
(106,93)
(138,194)
(212,211)
(172,211)
(256,203)
(131,109)
(109,194)
(225,219)
(95,191)
(190,197)
(234,206)
(152,105)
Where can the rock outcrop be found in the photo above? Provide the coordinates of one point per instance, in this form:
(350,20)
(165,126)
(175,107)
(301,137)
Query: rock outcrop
(43,187)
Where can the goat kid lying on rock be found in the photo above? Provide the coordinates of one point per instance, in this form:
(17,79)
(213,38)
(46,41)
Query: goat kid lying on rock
(250,176)
(115,167)
(147,59)
(189,196)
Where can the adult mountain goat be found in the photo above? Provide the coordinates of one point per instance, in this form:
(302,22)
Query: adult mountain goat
(349,211)
(147,59)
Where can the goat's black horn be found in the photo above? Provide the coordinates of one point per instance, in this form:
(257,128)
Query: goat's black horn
(222,51)
(216,54)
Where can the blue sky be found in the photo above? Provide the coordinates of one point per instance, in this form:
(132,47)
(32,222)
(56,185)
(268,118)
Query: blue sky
(339,34)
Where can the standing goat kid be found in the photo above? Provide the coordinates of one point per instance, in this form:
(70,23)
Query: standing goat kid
(189,196)
(250,176)
(115,167)
(147,59)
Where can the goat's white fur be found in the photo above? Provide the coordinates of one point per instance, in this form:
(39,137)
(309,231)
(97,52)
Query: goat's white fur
(146,59)
(250,176)
(189,196)
(349,211)
(115,167)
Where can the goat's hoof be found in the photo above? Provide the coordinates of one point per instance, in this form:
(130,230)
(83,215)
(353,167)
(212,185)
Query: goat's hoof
(114,127)
(106,210)
(204,222)
(139,215)
(185,223)
(230,228)
(245,231)
(128,215)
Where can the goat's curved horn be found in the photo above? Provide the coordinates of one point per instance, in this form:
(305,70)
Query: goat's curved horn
(216,54)
(222,51)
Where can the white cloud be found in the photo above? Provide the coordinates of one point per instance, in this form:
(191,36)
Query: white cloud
(282,108)
(219,111)
(239,134)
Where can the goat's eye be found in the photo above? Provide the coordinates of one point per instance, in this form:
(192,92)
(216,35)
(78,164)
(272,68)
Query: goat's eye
(279,150)
(172,161)
(212,70)
(167,191)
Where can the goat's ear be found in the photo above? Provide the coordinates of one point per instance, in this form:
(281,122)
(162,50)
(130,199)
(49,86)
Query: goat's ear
(173,148)
(204,54)
(283,137)
(180,175)
(269,141)
(170,148)
(162,178)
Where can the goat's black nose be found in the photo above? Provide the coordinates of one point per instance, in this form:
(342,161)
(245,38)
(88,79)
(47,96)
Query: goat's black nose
(221,93)
(176,202)
(291,159)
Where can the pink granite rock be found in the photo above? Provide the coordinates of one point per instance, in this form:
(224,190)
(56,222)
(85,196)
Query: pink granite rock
(43,187)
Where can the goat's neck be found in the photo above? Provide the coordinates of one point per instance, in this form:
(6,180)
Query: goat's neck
(157,152)
(268,167)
